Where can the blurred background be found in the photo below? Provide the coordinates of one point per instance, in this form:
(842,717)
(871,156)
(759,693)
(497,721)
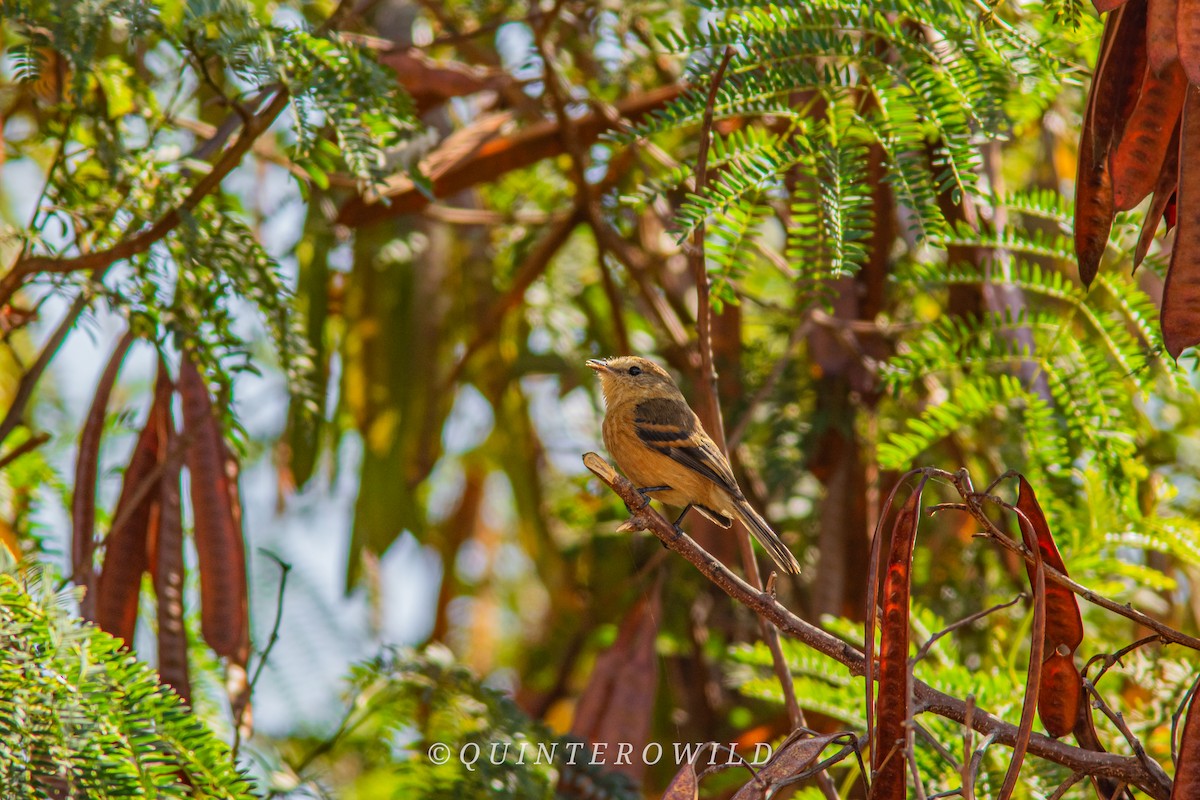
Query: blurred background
(463,202)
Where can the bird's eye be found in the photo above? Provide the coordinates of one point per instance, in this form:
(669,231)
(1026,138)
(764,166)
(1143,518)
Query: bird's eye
(635,370)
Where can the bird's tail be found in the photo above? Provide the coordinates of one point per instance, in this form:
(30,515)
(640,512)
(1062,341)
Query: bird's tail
(767,538)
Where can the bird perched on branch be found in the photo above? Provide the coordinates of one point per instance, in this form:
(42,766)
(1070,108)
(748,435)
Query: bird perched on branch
(660,445)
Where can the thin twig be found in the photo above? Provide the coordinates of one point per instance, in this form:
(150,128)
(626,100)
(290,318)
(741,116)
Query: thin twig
(1118,719)
(27,446)
(938,747)
(855,746)
(1066,785)
(911,757)
(1112,659)
(31,377)
(977,761)
(962,623)
(708,380)
(696,257)
(738,762)
(284,570)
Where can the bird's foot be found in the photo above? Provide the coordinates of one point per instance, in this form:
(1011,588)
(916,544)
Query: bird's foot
(679,521)
(645,493)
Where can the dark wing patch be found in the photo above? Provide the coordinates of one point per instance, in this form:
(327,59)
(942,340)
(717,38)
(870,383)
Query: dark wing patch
(665,412)
(662,419)
(653,436)
(706,460)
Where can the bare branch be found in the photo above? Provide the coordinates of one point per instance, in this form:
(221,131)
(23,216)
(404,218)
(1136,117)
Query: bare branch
(284,570)
(27,446)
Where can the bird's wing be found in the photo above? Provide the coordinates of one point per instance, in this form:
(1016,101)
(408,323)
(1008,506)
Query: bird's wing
(671,428)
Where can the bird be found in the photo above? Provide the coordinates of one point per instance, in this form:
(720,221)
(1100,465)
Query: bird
(662,447)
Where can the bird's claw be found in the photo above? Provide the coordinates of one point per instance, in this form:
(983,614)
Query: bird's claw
(645,493)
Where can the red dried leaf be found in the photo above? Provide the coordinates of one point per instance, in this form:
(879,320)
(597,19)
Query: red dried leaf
(1085,736)
(1145,143)
(684,786)
(1180,315)
(1037,644)
(891,702)
(1187,37)
(1119,71)
(135,523)
(1061,688)
(83,500)
(618,703)
(1060,694)
(220,549)
(1164,192)
(1187,771)
(166,559)
(793,759)
(1161,47)
(1094,210)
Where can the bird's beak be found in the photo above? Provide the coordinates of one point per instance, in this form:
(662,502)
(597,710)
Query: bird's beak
(597,364)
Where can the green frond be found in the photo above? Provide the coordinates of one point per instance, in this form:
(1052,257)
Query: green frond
(77,708)
(728,245)
(341,84)
(821,686)
(981,397)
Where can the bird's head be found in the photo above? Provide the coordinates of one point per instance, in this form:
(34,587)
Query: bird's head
(633,377)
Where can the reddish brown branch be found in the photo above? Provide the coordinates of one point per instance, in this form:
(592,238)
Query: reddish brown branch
(696,259)
(495,156)
(708,382)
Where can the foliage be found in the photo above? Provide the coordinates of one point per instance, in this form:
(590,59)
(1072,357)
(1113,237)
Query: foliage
(893,283)
(80,714)
(128,150)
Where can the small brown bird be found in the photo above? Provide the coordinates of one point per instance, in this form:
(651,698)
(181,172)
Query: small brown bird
(660,445)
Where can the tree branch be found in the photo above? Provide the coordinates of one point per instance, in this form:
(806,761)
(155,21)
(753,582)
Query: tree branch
(1121,768)
(973,505)
(708,373)
(141,242)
